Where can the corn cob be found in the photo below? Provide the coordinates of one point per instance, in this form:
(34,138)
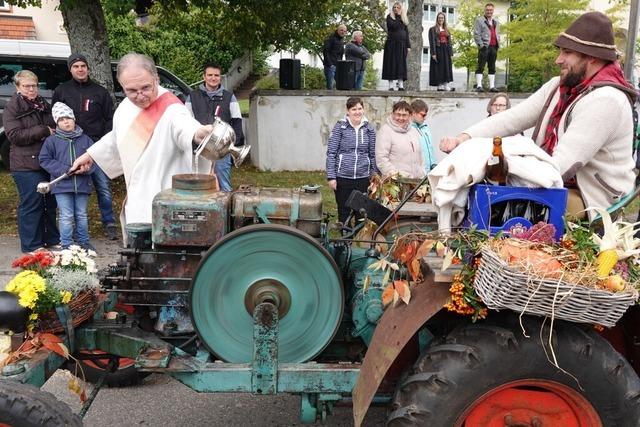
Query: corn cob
(606,260)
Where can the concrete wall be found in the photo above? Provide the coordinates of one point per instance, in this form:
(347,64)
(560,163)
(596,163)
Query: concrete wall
(289,130)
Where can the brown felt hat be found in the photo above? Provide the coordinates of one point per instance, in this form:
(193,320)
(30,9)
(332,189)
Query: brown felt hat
(590,34)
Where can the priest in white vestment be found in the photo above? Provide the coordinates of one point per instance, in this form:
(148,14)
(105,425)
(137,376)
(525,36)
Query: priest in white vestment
(152,138)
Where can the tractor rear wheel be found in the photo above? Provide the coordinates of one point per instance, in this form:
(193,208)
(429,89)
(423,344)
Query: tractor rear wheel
(23,405)
(492,375)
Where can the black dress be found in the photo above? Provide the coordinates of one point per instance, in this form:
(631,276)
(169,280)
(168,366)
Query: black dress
(394,62)
(441,68)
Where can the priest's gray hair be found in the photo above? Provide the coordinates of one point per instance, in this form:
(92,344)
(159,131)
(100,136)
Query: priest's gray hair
(133,59)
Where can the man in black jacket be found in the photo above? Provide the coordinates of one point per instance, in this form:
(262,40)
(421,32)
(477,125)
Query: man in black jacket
(332,52)
(93,107)
(209,100)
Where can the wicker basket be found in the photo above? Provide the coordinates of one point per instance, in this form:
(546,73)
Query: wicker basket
(502,286)
(82,308)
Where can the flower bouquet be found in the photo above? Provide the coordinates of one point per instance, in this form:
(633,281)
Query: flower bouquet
(51,279)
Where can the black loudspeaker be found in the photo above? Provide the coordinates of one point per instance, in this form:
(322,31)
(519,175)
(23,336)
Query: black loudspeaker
(345,75)
(289,73)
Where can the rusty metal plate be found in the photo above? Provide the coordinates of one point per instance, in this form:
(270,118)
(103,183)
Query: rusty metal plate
(396,327)
(288,206)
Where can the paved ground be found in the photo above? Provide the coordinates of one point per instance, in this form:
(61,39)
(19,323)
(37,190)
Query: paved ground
(161,400)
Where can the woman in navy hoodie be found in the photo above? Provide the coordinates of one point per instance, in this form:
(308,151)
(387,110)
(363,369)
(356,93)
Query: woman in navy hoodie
(56,157)
(351,155)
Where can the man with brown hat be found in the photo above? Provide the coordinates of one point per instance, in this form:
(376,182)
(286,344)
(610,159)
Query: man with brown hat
(583,118)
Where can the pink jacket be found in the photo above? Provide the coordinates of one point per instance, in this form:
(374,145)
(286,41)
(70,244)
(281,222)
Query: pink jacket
(398,150)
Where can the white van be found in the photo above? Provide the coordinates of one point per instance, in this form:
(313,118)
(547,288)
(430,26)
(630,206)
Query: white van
(48,60)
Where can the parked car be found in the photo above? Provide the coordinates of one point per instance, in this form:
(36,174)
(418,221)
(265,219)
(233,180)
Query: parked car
(49,62)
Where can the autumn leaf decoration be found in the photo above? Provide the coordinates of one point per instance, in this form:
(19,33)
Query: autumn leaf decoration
(398,290)
(407,252)
(52,343)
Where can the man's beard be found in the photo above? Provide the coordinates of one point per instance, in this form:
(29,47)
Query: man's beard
(576,76)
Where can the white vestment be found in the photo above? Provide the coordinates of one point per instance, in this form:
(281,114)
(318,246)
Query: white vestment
(168,152)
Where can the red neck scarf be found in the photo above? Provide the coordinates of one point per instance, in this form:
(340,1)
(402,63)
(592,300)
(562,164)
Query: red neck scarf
(610,73)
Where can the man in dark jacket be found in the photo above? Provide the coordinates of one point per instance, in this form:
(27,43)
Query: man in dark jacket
(209,100)
(332,52)
(356,52)
(93,109)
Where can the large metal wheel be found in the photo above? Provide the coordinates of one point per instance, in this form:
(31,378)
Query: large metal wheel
(267,263)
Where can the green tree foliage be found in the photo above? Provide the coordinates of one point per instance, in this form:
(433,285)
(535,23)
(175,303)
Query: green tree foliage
(182,44)
(182,37)
(353,14)
(283,24)
(464,47)
(534,27)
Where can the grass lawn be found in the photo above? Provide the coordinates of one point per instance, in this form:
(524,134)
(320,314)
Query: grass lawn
(244,106)
(245,175)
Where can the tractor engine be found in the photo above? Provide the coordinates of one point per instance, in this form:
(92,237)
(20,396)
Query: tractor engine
(209,258)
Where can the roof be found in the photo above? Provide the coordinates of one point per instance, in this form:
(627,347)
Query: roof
(17,27)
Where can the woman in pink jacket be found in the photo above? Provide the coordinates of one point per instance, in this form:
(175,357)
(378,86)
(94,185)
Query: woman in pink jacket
(398,145)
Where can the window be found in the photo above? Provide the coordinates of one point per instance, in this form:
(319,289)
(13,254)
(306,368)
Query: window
(49,75)
(450,13)
(430,11)
(4,6)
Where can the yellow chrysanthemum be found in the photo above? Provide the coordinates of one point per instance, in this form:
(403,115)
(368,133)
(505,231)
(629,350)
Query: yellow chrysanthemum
(33,316)
(27,285)
(66,296)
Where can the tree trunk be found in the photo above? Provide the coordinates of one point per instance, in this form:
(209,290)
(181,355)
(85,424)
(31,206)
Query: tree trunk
(85,26)
(414,60)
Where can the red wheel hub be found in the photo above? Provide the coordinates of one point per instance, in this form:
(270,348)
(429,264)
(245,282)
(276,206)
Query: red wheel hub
(535,403)
(123,362)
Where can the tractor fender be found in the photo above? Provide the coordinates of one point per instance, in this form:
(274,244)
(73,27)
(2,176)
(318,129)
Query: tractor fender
(396,327)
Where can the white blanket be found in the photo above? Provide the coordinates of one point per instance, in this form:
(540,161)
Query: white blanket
(528,165)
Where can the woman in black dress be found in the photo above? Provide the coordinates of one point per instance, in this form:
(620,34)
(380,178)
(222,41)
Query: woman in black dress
(440,67)
(396,48)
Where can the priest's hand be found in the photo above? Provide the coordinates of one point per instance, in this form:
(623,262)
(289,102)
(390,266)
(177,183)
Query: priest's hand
(201,133)
(82,164)
(448,143)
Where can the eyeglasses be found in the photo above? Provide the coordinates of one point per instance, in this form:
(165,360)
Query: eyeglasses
(423,114)
(34,86)
(499,105)
(144,90)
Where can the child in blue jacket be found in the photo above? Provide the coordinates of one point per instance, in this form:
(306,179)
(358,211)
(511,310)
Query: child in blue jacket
(72,194)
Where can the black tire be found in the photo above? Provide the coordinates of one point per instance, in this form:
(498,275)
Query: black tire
(4,151)
(476,359)
(93,370)
(23,405)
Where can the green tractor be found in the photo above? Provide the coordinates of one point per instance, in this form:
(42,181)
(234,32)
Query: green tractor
(246,292)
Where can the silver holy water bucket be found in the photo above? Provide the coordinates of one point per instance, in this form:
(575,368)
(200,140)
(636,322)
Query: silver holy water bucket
(220,142)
